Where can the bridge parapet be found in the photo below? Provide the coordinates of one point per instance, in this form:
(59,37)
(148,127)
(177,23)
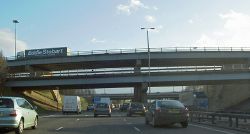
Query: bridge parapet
(153,50)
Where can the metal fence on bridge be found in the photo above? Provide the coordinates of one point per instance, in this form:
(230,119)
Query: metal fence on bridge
(153,50)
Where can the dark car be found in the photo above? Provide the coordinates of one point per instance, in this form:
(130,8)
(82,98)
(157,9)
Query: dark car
(90,107)
(167,112)
(102,109)
(124,107)
(136,108)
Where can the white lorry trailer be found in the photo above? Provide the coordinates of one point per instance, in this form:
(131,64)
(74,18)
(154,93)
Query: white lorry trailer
(71,104)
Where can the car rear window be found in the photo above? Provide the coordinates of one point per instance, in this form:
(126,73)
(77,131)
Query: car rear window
(136,105)
(6,103)
(102,105)
(170,104)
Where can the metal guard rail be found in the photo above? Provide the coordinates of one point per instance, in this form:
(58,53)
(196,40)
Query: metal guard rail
(232,120)
(153,50)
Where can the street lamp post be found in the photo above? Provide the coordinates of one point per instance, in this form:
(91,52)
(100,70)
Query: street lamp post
(147,29)
(15,22)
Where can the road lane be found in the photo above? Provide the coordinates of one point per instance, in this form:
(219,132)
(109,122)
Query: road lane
(138,122)
(82,124)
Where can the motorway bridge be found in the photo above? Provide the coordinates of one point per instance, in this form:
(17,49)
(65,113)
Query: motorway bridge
(129,68)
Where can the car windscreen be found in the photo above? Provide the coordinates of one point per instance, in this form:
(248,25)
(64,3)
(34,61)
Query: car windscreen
(136,105)
(170,104)
(102,105)
(6,103)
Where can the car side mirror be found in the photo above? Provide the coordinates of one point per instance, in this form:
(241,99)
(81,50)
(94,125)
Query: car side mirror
(35,107)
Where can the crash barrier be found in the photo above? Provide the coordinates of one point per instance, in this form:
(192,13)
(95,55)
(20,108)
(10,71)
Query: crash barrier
(237,121)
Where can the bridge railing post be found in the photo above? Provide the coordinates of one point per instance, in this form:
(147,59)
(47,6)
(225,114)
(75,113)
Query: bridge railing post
(236,122)
(213,119)
(230,121)
(199,117)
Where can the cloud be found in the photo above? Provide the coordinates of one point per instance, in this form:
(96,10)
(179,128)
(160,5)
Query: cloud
(94,40)
(234,33)
(124,9)
(132,6)
(190,21)
(7,43)
(150,19)
(155,8)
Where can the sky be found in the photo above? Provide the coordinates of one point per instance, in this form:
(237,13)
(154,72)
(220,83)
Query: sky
(84,25)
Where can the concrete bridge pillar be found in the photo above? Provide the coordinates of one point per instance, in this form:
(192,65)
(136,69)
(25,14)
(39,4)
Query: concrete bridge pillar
(140,93)
(56,95)
(140,90)
(35,72)
(137,68)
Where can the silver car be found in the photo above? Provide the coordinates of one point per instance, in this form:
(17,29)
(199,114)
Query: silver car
(167,112)
(102,109)
(17,113)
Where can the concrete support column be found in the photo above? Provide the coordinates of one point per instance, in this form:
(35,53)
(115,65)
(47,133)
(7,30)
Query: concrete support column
(30,69)
(140,90)
(34,72)
(137,68)
(140,93)
(56,95)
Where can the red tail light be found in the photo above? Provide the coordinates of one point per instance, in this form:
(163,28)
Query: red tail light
(13,113)
(158,109)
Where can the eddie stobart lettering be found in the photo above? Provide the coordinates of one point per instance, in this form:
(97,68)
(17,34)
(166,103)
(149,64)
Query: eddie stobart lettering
(47,52)
(52,51)
(35,52)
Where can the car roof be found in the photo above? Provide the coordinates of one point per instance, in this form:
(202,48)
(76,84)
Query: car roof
(10,97)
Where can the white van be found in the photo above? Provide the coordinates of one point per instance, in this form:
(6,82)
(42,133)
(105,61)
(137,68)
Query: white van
(71,104)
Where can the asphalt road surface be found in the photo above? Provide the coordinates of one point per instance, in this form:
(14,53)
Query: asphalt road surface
(117,124)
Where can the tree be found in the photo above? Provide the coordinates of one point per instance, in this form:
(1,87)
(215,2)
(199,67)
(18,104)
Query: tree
(3,72)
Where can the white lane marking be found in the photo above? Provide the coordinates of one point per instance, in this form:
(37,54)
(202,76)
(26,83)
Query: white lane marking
(129,123)
(212,129)
(59,128)
(46,116)
(137,129)
(124,119)
(77,119)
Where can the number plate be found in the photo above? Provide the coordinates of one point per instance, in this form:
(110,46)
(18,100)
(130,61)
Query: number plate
(175,111)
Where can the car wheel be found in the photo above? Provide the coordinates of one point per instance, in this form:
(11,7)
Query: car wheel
(35,123)
(146,121)
(154,122)
(184,124)
(19,129)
